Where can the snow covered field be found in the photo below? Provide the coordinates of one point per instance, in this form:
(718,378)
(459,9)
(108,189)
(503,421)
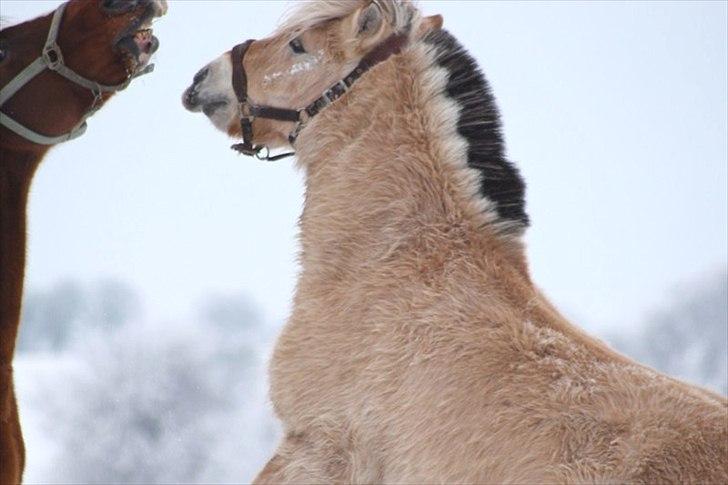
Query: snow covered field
(148,404)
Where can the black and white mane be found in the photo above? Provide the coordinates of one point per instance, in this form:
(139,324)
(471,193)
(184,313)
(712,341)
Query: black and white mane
(480,125)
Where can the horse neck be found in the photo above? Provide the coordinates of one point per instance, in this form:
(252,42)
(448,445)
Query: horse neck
(385,167)
(16,172)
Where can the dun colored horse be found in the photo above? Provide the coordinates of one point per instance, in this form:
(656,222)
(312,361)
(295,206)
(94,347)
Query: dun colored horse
(55,71)
(419,350)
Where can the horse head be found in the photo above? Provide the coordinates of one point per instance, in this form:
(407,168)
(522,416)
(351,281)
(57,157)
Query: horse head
(274,85)
(102,42)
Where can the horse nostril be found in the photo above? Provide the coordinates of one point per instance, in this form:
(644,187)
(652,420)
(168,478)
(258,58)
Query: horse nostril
(200,76)
(116,7)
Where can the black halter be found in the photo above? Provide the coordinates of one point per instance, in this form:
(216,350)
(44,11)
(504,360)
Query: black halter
(248,112)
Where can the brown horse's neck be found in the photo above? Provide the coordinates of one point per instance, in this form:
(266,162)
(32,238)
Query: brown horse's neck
(16,172)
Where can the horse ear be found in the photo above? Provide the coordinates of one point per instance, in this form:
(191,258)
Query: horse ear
(427,25)
(433,22)
(368,21)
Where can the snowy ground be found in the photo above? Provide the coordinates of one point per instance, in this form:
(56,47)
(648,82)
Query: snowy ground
(134,409)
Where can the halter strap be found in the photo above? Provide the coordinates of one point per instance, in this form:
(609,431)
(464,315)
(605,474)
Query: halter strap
(240,85)
(52,58)
(248,112)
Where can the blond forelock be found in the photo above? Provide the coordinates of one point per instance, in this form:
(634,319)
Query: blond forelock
(304,15)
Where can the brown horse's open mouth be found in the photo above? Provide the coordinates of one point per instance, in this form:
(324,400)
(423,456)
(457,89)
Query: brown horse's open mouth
(137,42)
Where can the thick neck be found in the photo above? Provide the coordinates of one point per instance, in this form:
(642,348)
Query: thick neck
(16,173)
(388,171)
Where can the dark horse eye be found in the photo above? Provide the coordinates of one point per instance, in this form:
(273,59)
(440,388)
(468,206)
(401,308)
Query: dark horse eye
(2,55)
(296,46)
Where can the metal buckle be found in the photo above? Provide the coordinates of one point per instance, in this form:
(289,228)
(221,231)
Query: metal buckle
(245,113)
(336,91)
(98,97)
(245,149)
(52,56)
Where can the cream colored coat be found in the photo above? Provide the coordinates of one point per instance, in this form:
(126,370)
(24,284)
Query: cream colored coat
(419,351)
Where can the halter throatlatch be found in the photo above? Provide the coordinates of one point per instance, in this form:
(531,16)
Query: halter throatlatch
(52,58)
(248,112)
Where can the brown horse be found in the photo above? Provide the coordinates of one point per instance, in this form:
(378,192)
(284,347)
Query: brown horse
(55,71)
(419,350)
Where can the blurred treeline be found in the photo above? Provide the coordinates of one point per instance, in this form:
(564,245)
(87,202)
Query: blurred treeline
(108,397)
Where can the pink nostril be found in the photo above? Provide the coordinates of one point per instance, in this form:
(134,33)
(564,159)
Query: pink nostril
(146,42)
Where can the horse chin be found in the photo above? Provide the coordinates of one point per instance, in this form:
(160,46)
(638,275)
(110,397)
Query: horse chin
(226,120)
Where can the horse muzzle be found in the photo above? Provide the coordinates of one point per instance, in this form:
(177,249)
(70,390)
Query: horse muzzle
(137,42)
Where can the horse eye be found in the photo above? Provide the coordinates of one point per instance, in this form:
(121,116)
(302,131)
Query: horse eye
(296,46)
(3,54)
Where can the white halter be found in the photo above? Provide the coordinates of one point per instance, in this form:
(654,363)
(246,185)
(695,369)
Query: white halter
(52,58)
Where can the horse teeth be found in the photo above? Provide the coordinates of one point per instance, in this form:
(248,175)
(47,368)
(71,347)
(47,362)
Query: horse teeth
(143,33)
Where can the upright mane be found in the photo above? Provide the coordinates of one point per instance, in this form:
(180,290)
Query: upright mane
(479,123)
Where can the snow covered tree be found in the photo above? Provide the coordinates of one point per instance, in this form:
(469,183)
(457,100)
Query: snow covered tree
(688,339)
(52,318)
(162,404)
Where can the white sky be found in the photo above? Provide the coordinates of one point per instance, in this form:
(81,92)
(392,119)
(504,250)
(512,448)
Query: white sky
(615,112)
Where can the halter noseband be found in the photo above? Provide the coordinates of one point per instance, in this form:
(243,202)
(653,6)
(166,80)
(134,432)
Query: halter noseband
(248,112)
(52,58)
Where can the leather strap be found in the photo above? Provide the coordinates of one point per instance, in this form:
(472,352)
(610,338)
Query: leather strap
(391,46)
(281,114)
(240,78)
(248,112)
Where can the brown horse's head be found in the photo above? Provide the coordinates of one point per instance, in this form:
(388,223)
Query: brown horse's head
(319,45)
(105,41)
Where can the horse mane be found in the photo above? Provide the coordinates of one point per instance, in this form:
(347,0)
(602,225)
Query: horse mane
(479,123)
(307,15)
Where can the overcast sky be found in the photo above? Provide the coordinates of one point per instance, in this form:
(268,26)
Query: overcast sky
(615,112)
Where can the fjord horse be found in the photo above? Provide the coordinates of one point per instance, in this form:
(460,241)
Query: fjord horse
(55,71)
(418,349)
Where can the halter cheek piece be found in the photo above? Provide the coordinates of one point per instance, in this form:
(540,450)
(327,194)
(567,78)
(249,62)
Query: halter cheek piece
(52,58)
(248,111)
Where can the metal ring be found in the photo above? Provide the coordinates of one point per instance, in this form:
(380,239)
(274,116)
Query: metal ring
(52,50)
(260,149)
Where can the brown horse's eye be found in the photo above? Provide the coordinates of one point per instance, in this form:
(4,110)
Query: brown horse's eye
(3,54)
(296,46)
